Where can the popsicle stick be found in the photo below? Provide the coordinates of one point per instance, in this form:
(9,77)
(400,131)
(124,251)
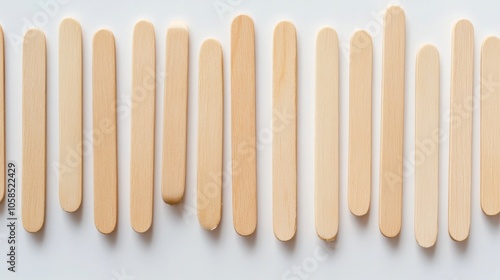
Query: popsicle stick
(327,135)
(360,123)
(210,134)
(426,146)
(70,115)
(104,122)
(34,130)
(285,131)
(391,142)
(490,132)
(244,161)
(460,163)
(2,118)
(175,114)
(143,127)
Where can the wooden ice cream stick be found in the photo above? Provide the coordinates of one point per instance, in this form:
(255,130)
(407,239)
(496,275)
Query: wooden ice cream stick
(244,160)
(143,126)
(490,132)
(104,125)
(391,135)
(70,115)
(327,135)
(285,132)
(426,146)
(175,114)
(210,134)
(360,123)
(460,161)
(34,130)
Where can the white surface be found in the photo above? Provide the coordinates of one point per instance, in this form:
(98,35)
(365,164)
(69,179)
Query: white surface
(177,248)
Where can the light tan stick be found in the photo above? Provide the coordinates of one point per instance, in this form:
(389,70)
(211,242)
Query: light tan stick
(285,131)
(244,161)
(70,115)
(104,126)
(490,132)
(360,123)
(426,146)
(143,127)
(327,135)
(391,135)
(34,130)
(210,134)
(2,118)
(175,114)
(462,71)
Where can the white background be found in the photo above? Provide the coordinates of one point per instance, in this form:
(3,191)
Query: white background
(70,247)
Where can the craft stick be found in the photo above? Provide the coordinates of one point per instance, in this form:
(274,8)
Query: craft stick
(490,132)
(175,114)
(2,118)
(426,146)
(244,161)
(462,71)
(360,123)
(104,122)
(327,135)
(34,130)
(143,127)
(391,135)
(210,134)
(70,115)
(285,131)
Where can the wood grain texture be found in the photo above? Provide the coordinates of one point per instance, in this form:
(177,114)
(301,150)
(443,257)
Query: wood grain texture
(243,146)
(460,161)
(426,146)
(3,179)
(142,152)
(175,114)
(210,134)
(104,124)
(490,132)
(327,135)
(285,131)
(360,123)
(34,130)
(70,115)
(391,135)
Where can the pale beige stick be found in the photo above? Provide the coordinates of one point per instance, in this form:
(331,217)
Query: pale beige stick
(460,162)
(142,152)
(210,134)
(490,132)
(327,135)
(426,146)
(175,114)
(244,161)
(34,130)
(285,131)
(360,123)
(2,118)
(104,125)
(70,115)
(391,135)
